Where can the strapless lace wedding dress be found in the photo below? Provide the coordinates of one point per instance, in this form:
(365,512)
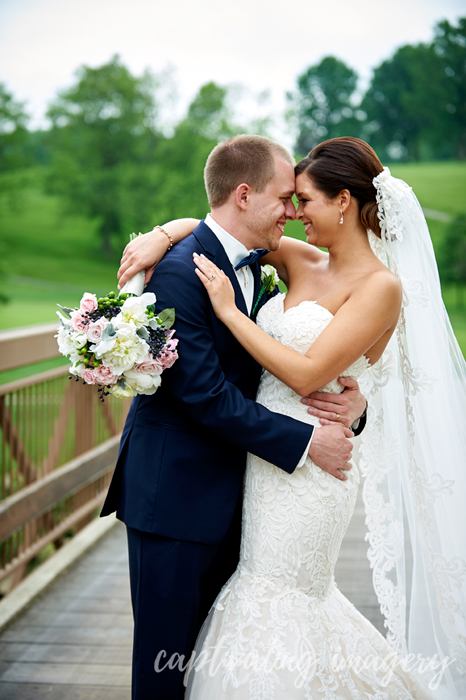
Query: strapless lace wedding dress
(280,628)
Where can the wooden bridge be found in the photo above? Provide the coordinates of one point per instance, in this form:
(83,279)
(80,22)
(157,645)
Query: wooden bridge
(58,448)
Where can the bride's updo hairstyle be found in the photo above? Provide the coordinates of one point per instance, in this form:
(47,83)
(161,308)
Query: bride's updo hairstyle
(350,164)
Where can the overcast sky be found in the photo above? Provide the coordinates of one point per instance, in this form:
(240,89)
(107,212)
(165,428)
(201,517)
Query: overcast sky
(263,44)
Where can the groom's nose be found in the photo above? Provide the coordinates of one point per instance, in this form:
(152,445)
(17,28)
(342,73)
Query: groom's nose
(290,211)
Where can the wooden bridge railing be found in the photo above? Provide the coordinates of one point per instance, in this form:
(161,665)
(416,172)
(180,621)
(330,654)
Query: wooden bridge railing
(58,446)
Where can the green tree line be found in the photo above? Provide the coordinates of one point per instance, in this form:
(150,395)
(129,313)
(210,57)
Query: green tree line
(413,109)
(108,156)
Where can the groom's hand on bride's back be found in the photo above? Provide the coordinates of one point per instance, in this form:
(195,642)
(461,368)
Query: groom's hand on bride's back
(344,408)
(331,449)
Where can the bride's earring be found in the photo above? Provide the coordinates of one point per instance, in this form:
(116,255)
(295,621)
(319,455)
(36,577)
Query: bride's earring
(341,220)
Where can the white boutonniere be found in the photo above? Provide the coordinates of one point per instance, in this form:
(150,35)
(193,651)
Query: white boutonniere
(269,280)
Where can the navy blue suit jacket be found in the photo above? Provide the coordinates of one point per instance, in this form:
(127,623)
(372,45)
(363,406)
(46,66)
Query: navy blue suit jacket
(183,450)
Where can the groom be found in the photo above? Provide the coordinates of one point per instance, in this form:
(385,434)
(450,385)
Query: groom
(177,483)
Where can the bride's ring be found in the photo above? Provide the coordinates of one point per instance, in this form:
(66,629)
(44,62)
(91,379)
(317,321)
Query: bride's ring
(212,278)
(338,417)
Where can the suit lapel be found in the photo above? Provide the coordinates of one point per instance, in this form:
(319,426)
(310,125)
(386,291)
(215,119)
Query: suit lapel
(213,249)
(256,271)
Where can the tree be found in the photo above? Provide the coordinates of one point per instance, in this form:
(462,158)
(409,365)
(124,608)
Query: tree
(180,160)
(450,45)
(322,104)
(209,114)
(104,141)
(398,99)
(452,256)
(415,103)
(13,132)
(13,137)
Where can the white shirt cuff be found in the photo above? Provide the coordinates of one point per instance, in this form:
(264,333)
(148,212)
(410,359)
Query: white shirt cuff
(305,454)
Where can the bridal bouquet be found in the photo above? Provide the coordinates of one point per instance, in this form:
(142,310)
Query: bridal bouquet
(118,342)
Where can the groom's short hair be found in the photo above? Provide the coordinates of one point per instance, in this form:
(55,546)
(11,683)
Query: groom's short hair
(245,158)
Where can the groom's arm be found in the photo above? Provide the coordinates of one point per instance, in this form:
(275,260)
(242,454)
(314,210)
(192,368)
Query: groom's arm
(198,382)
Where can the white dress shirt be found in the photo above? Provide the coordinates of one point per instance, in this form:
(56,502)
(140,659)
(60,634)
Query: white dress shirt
(236,251)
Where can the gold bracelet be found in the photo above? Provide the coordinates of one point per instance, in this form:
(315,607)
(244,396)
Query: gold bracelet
(167,234)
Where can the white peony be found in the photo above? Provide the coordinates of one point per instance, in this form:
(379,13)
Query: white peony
(65,340)
(123,350)
(142,383)
(134,310)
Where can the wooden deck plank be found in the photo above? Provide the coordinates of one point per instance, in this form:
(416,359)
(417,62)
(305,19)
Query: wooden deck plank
(99,586)
(46,691)
(117,636)
(65,653)
(84,603)
(75,641)
(71,674)
(74,620)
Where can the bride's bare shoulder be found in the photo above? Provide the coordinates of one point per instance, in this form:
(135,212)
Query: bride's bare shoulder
(297,251)
(381,286)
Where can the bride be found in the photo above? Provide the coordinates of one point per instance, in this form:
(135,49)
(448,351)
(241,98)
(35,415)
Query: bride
(280,627)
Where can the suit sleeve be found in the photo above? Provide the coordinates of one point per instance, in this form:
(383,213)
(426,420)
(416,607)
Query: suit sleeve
(361,425)
(198,382)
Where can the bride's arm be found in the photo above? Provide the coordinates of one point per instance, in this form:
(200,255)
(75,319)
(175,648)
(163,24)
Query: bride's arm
(365,322)
(146,251)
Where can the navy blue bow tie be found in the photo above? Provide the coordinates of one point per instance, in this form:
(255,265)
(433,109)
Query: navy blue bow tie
(252,257)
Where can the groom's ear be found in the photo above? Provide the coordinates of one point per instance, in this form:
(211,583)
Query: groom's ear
(242,195)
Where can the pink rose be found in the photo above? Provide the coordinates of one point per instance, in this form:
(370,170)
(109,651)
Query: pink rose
(88,302)
(88,376)
(94,330)
(77,322)
(148,366)
(171,354)
(104,375)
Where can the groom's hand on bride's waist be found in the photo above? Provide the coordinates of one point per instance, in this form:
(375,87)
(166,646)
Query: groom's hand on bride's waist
(345,408)
(331,449)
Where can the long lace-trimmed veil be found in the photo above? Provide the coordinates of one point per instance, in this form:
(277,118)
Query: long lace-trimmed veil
(413,457)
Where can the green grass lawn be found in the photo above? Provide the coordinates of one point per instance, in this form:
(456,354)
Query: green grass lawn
(54,257)
(440,186)
(51,258)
